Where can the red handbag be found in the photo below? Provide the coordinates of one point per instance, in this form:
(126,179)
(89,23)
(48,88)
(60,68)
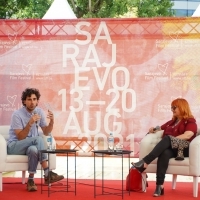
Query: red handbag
(135,182)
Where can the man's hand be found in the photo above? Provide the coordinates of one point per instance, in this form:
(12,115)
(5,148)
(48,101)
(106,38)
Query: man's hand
(50,115)
(34,118)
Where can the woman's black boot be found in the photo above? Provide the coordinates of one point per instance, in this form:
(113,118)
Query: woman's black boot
(159,191)
(139,166)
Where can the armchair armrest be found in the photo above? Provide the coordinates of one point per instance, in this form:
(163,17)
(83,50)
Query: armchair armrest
(149,142)
(3,149)
(194,156)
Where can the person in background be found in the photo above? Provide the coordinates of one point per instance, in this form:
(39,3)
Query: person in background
(183,128)
(24,138)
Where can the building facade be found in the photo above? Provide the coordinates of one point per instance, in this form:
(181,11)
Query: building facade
(185,8)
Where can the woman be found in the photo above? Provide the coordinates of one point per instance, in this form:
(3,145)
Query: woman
(183,128)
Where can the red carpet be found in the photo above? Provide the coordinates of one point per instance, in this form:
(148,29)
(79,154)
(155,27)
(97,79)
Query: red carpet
(13,189)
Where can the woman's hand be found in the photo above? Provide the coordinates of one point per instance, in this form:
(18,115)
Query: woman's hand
(154,129)
(186,135)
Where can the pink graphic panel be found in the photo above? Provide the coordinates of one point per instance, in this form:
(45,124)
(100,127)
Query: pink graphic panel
(101,76)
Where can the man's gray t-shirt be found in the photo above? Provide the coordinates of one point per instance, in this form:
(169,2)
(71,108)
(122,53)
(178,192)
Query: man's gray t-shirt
(20,119)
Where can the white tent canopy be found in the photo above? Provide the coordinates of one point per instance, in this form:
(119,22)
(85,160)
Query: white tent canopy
(197,12)
(60,9)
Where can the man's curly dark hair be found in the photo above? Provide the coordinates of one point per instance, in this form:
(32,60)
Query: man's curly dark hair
(28,92)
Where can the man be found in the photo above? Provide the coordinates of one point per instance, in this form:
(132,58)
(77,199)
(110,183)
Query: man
(24,138)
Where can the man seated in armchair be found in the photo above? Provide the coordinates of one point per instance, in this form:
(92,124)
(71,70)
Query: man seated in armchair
(25,140)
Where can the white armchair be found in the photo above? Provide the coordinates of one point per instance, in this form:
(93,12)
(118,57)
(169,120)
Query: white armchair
(15,162)
(188,167)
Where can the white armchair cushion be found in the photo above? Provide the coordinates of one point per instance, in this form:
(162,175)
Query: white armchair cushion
(149,142)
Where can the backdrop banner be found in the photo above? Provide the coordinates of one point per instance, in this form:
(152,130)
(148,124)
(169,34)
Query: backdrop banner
(101,75)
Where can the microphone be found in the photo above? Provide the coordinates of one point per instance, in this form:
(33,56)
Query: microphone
(35,113)
(156,128)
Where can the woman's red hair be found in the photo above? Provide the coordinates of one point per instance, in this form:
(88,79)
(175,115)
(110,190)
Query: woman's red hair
(184,108)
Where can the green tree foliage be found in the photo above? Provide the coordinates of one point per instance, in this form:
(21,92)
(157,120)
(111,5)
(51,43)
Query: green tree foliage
(23,9)
(154,8)
(115,8)
(100,8)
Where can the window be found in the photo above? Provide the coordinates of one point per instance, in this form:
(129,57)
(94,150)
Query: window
(183,12)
